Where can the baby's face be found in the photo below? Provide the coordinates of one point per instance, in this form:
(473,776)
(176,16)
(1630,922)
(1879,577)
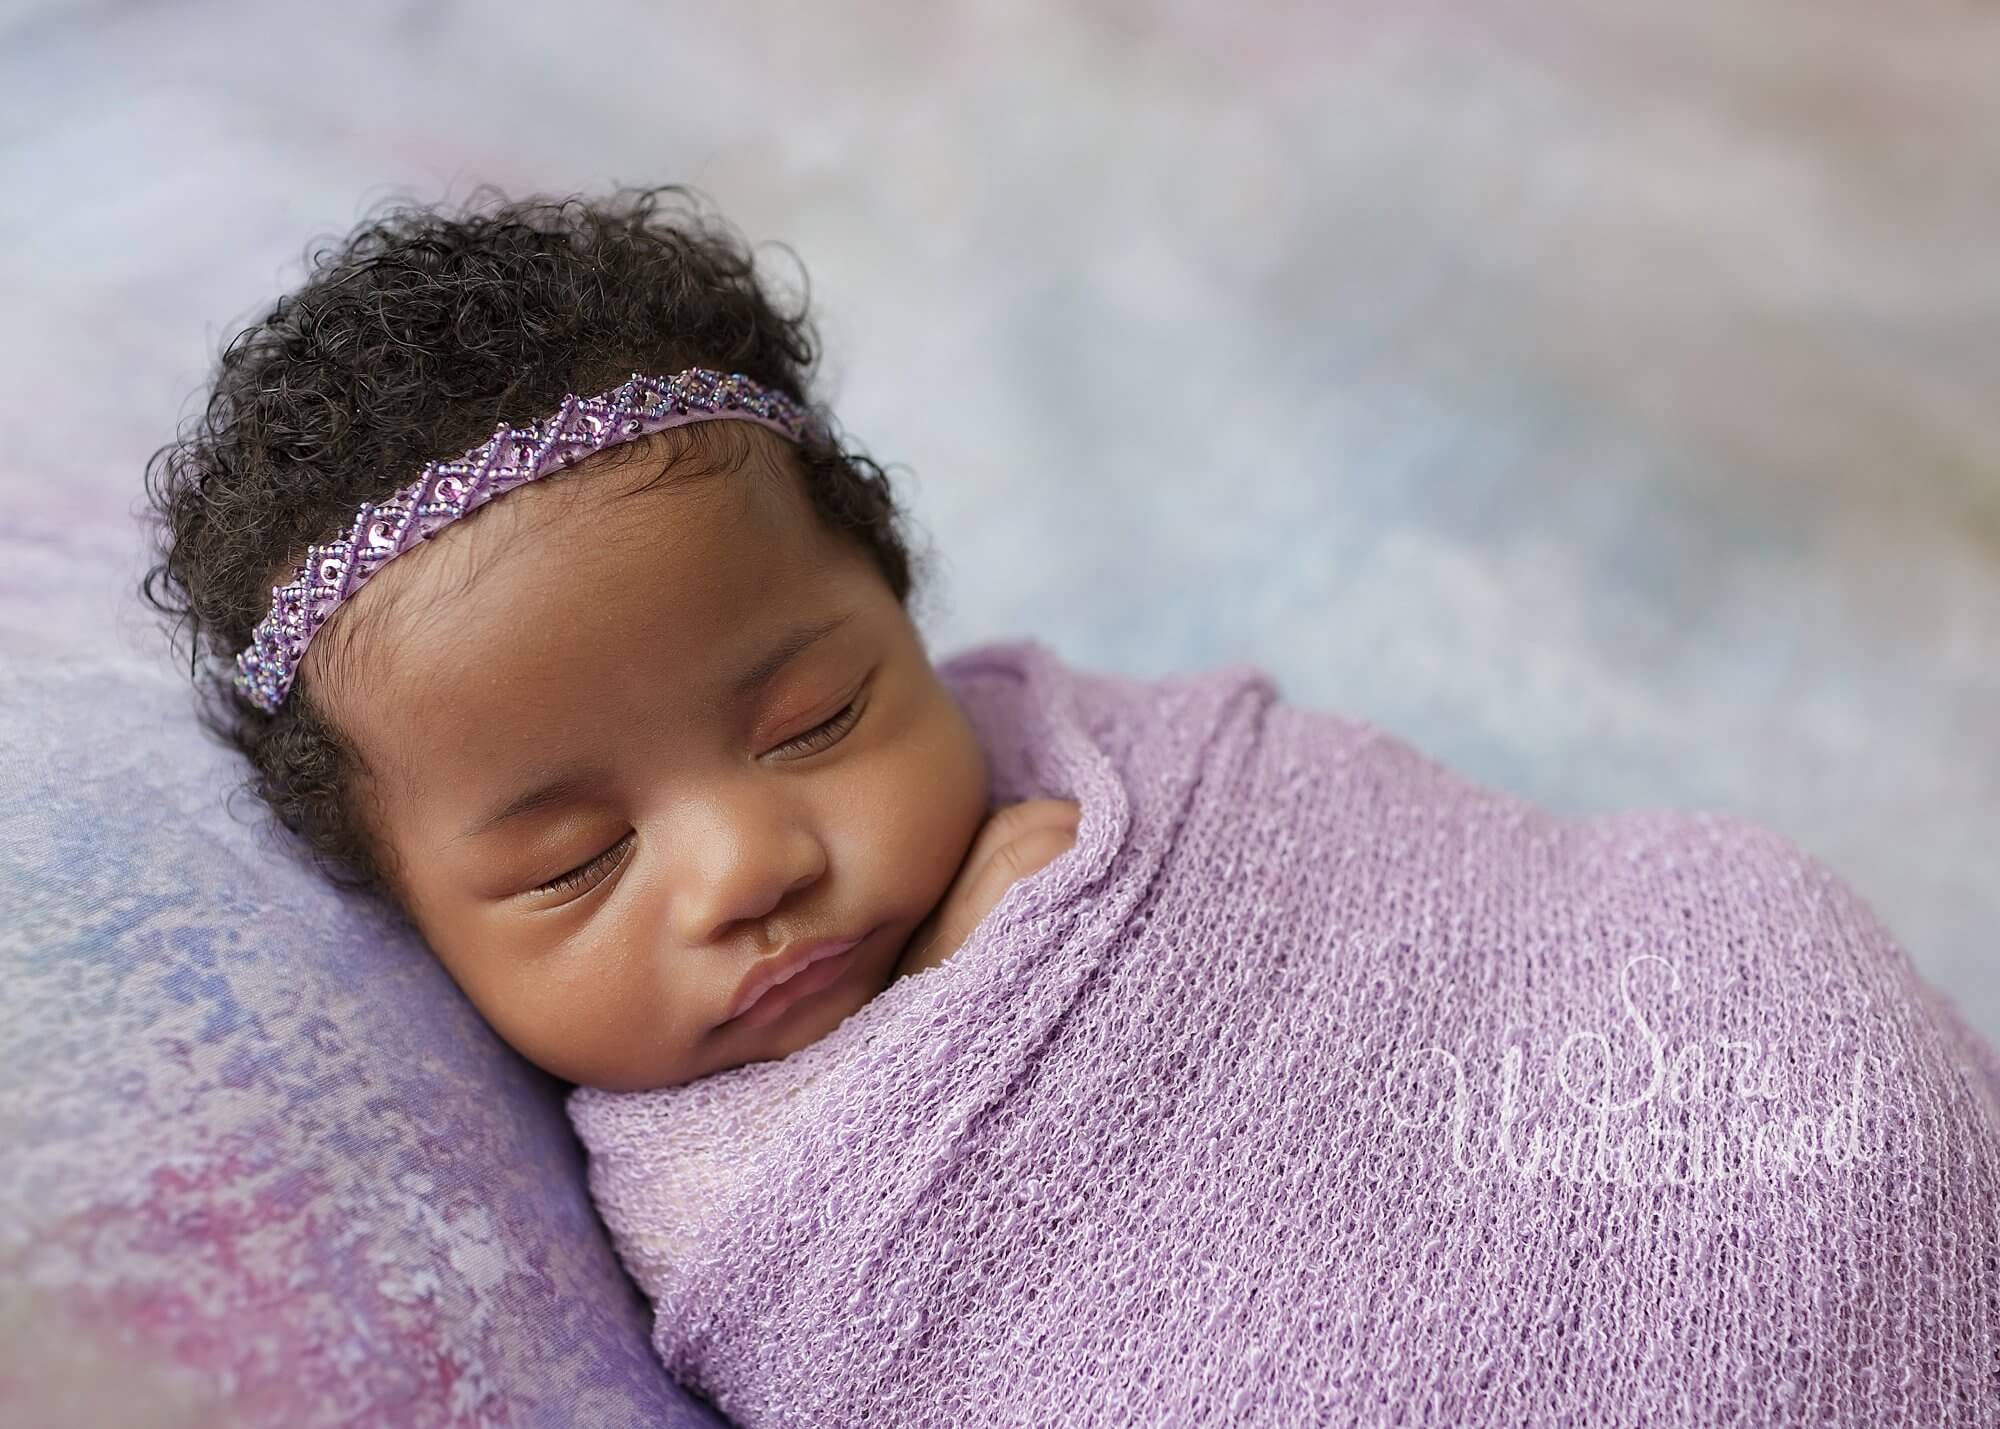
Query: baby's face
(626,747)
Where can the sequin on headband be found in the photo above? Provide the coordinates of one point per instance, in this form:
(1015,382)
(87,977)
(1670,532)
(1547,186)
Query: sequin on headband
(447,490)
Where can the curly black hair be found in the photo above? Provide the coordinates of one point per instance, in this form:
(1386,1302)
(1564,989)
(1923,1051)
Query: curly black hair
(408,342)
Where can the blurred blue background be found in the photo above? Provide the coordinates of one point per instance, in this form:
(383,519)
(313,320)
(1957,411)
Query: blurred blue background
(1604,397)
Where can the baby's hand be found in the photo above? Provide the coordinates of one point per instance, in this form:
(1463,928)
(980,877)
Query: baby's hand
(1018,840)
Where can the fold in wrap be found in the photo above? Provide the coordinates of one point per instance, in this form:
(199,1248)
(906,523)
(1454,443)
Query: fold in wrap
(1318,1084)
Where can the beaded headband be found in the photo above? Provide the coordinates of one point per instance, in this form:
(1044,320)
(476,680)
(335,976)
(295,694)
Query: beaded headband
(510,458)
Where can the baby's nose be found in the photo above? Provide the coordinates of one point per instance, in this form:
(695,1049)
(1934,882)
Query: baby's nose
(742,872)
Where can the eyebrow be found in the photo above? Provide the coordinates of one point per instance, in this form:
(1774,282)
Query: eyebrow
(748,682)
(794,642)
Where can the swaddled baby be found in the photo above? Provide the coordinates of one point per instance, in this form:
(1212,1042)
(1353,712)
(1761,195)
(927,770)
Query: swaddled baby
(652,754)
(1255,1068)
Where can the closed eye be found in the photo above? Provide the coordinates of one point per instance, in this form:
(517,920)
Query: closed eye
(587,875)
(584,875)
(822,735)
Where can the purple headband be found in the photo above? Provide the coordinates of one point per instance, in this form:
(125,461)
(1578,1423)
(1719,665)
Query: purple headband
(447,490)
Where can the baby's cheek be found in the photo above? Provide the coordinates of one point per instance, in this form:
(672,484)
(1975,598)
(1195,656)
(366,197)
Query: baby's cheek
(928,802)
(602,1013)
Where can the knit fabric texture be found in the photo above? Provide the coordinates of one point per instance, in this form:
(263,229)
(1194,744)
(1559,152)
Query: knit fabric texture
(1318,1084)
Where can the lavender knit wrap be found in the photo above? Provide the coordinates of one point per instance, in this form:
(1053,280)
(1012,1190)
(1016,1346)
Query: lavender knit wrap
(1320,1085)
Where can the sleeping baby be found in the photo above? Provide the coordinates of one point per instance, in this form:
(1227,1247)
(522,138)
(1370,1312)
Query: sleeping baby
(989,1041)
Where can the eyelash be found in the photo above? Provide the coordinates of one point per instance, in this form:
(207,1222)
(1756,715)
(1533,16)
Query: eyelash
(581,874)
(824,734)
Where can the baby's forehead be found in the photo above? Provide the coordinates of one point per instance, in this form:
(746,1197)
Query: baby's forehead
(621,540)
(679,491)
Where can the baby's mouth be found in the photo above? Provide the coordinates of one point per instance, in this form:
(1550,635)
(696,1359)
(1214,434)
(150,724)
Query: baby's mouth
(781,981)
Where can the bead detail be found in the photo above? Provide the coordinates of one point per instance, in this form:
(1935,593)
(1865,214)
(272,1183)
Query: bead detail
(447,490)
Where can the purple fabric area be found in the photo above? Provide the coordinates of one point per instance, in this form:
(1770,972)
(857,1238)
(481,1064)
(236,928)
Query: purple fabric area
(1318,1084)
(263,1166)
